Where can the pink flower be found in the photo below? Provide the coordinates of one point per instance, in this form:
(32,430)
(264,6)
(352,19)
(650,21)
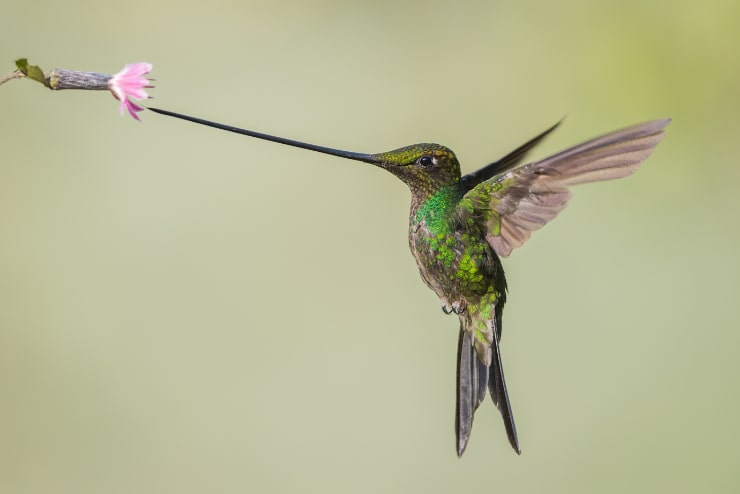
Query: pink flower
(130,83)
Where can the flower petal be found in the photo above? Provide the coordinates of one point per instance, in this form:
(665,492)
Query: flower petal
(132,108)
(130,83)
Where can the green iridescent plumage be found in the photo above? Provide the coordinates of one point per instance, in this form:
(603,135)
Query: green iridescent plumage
(460,226)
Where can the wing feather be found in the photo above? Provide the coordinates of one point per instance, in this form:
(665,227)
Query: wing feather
(524,199)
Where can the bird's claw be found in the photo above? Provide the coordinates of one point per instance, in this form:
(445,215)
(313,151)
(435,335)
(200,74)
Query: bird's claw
(457,308)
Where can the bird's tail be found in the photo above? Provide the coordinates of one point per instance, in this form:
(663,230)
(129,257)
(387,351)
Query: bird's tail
(474,377)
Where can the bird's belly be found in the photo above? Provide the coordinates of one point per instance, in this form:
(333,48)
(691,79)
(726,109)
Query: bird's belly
(459,268)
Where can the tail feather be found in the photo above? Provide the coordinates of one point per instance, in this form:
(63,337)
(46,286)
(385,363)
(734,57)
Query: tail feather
(472,382)
(474,378)
(500,396)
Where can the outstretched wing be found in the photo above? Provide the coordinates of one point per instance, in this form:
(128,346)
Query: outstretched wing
(522,200)
(506,163)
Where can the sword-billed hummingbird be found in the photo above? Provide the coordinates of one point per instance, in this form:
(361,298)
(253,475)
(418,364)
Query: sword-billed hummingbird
(460,225)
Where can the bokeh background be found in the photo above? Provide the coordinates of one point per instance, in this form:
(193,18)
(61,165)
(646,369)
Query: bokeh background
(186,310)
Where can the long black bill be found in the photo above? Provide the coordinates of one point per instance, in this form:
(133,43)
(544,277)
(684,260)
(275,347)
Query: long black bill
(368,158)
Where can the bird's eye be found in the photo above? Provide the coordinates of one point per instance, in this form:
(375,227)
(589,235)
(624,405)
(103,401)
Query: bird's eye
(426,160)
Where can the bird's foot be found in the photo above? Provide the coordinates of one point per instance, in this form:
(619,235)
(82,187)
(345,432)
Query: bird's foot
(457,308)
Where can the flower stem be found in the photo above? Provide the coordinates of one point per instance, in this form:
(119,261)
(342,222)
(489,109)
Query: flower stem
(68,79)
(16,74)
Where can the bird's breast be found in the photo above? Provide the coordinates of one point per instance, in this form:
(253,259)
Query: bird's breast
(454,260)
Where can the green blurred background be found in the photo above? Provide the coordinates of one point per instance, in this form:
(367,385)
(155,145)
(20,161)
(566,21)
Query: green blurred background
(185,310)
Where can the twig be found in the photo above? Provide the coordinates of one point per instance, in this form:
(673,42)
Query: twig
(16,74)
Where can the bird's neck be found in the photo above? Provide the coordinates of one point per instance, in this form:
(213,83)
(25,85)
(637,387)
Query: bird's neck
(434,209)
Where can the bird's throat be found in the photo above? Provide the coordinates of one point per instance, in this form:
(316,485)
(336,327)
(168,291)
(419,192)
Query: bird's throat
(435,211)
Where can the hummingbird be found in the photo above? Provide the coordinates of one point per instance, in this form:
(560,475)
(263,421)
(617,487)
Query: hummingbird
(460,226)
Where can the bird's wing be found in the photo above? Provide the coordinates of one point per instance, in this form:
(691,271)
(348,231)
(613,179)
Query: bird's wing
(522,200)
(506,163)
